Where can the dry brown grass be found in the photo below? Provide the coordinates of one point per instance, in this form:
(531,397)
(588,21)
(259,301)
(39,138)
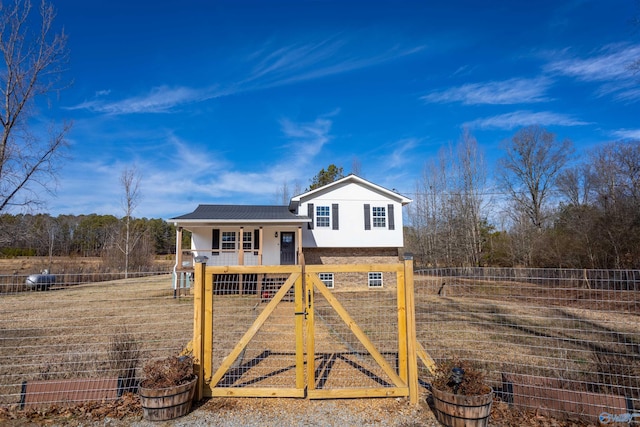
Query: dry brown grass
(31,265)
(68,333)
(569,334)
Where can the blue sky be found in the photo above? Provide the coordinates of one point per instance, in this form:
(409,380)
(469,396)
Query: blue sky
(224,101)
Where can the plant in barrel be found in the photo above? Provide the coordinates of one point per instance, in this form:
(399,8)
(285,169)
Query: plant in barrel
(168,387)
(461,398)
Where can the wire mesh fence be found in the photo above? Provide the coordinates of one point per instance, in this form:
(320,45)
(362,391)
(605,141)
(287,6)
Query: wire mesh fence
(86,338)
(566,341)
(12,283)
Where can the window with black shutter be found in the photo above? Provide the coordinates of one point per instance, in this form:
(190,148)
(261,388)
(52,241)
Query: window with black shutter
(367,217)
(215,242)
(256,239)
(310,214)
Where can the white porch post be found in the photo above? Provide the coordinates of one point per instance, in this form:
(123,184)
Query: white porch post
(179,247)
(261,240)
(300,255)
(241,260)
(241,247)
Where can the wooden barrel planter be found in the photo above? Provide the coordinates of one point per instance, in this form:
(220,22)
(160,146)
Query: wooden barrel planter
(456,410)
(161,404)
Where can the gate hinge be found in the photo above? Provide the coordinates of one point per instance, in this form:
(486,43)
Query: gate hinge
(299,313)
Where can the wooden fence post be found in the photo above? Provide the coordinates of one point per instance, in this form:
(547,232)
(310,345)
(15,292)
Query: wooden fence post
(207,330)
(412,355)
(198,326)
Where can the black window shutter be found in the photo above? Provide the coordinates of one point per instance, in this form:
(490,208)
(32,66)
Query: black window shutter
(310,214)
(334,219)
(256,239)
(215,244)
(392,222)
(367,217)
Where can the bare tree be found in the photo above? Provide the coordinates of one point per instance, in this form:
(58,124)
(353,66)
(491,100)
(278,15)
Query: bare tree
(471,180)
(446,218)
(282,194)
(297,188)
(130,181)
(533,159)
(575,184)
(356,167)
(33,66)
(427,217)
(616,186)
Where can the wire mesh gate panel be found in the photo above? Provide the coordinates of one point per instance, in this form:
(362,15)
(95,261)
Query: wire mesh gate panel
(300,338)
(249,342)
(356,338)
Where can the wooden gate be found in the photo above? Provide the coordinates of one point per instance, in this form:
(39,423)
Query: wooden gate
(302,339)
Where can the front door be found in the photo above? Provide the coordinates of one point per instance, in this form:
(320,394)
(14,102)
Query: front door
(287,248)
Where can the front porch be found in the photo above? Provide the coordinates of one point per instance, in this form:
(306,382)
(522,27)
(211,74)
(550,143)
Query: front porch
(236,246)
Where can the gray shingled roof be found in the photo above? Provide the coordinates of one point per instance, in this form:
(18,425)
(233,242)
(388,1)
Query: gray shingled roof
(241,213)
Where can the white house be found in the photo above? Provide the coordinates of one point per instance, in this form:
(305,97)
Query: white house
(347,221)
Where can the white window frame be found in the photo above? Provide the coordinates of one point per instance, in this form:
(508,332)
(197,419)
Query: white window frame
(324,220)
(379,216)
(327,279)
(247,240)
(227,244)
(375,279)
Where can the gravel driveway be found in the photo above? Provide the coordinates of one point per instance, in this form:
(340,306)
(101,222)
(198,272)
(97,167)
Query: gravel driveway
(250,412)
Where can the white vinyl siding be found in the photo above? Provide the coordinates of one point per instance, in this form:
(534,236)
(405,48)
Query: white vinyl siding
(352,219)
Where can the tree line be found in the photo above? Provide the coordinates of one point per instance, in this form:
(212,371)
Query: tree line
(86,236)
(539,208)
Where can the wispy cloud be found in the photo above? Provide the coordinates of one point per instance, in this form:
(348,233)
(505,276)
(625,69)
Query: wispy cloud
(306,139)
(162,99)
(195,169)
(307,61)
(268,67)
(609,65)
(525,118)
(512,91)
(633,134)
(399,156)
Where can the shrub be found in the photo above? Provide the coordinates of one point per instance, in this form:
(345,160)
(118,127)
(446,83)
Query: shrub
(168,372)
(472,381)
